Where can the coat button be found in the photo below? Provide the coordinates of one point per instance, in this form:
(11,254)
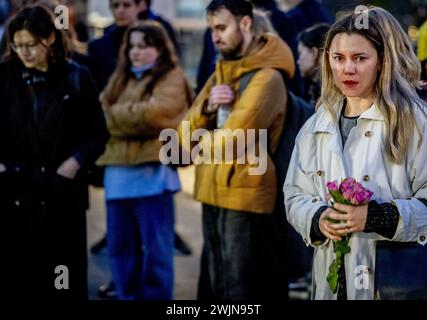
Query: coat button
(368,134)
(17,203)
(366,178)
(314,200)
(17,169)
(422,240)
(42,203)
(319,173)
(43,169)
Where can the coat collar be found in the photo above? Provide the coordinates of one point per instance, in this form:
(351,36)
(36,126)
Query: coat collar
(326,122)
(373,113)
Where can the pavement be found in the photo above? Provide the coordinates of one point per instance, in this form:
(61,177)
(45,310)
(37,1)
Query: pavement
(187,224)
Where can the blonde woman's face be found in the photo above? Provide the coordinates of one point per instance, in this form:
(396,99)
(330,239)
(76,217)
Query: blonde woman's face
(354,63)
(139,53)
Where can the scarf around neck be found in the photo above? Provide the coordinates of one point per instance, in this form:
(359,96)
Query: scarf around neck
(139,72)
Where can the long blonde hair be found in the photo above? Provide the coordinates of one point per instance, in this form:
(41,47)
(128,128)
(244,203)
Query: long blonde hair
(398,78)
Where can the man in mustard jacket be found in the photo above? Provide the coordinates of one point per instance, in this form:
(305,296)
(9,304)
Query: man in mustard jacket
(237,202)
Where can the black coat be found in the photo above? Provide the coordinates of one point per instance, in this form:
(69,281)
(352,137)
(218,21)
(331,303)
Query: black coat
(44,213)
(103,55)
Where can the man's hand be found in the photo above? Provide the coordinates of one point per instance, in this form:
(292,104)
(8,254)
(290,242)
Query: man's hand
(220,95)
(68,169)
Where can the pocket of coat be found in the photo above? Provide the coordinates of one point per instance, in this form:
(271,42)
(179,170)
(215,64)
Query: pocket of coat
(63,184)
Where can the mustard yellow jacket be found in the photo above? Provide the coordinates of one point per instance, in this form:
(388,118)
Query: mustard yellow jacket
(136,120)
(260,106)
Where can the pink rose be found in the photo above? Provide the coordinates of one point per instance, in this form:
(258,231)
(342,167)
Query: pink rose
(347,184)
(348,194)
(332,185)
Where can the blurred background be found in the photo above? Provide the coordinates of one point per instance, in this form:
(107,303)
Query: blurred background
(188,19)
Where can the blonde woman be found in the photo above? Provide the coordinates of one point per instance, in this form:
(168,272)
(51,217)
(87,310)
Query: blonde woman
(371,126)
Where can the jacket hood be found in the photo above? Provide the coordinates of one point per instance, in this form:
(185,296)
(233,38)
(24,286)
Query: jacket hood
(267,51)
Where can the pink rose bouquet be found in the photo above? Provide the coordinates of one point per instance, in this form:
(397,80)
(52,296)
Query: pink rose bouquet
(349,192)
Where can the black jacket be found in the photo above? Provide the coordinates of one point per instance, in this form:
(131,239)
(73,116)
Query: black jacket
(103,55)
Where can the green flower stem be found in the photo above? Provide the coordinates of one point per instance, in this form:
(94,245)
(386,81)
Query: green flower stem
(341,248)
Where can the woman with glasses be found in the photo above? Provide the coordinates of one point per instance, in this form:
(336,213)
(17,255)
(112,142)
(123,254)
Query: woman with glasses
(51,131)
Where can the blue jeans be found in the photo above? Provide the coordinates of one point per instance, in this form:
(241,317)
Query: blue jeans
(140,246)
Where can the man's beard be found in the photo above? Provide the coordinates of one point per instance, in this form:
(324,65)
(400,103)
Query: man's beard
(233,53)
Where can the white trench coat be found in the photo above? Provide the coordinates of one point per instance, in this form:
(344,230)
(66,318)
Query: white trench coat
(318,157)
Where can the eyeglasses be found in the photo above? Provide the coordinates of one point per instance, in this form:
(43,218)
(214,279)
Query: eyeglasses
(26,46)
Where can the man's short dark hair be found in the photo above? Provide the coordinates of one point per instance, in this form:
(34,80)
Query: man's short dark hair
(236,7)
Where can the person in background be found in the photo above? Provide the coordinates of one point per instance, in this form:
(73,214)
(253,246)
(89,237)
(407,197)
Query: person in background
(305,13)
(146,13)
(282,25)
(146,94)
(51,134)
(102,60)
(103,56)
(237,206)
(371,126)
(280,21)
(310,50)
(103,52)
(12,8)
(4,14)
(77,29)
